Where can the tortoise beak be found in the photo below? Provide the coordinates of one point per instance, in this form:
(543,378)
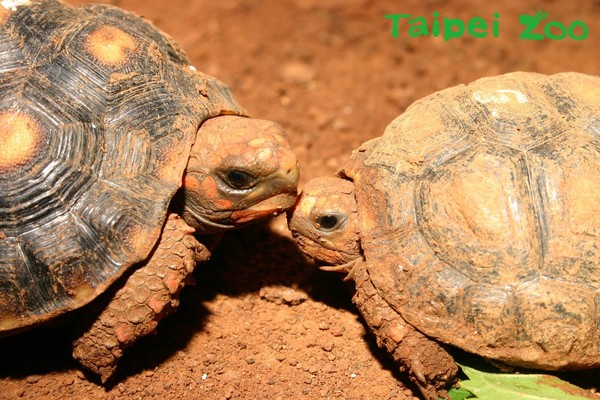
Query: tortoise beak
(271,207)
(283,187)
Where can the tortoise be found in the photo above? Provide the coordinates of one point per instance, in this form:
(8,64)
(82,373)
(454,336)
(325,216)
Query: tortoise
(473,222)
(118,158)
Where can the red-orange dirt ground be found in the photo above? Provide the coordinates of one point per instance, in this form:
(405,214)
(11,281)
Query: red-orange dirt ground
(262,321)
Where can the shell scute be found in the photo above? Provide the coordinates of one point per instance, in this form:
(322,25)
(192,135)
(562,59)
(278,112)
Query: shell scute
(513,111)
(478,215)
(565,175)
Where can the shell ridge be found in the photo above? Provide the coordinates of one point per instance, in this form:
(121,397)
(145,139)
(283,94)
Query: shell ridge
(534,193)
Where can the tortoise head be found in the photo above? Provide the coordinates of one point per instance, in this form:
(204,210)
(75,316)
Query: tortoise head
(240,170)
(325,223)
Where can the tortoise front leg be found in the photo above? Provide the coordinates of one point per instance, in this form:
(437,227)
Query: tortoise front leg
(149,294)
(427,363)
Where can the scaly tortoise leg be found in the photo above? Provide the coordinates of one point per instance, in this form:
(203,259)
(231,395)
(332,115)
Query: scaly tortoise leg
(428,364)
(149,294)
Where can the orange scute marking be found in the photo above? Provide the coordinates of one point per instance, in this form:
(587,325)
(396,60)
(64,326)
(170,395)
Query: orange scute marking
(140,239)
(173,155)
(20,139)
(110,45)
(4,15)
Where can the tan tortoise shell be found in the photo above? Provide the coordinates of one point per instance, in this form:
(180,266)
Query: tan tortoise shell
(480,219)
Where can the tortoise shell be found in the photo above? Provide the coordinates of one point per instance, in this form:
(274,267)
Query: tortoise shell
(480,219)
(98,111)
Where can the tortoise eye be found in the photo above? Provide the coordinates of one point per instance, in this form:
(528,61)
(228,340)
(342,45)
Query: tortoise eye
(239,180)
(328,222)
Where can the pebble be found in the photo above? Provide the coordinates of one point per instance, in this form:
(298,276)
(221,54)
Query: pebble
(297,72)
(209,359)
(327,346)
(229,394)
(283,295)
(33,378)
(337,331)
(324,326)
(328,368)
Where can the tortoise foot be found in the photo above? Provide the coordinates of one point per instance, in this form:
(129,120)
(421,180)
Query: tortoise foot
(429,366)
(149,294)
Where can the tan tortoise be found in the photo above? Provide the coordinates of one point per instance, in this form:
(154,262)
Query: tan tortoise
(474,221)
(103,122)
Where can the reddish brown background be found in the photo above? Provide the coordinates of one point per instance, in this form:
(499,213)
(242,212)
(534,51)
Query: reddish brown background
(263,323)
